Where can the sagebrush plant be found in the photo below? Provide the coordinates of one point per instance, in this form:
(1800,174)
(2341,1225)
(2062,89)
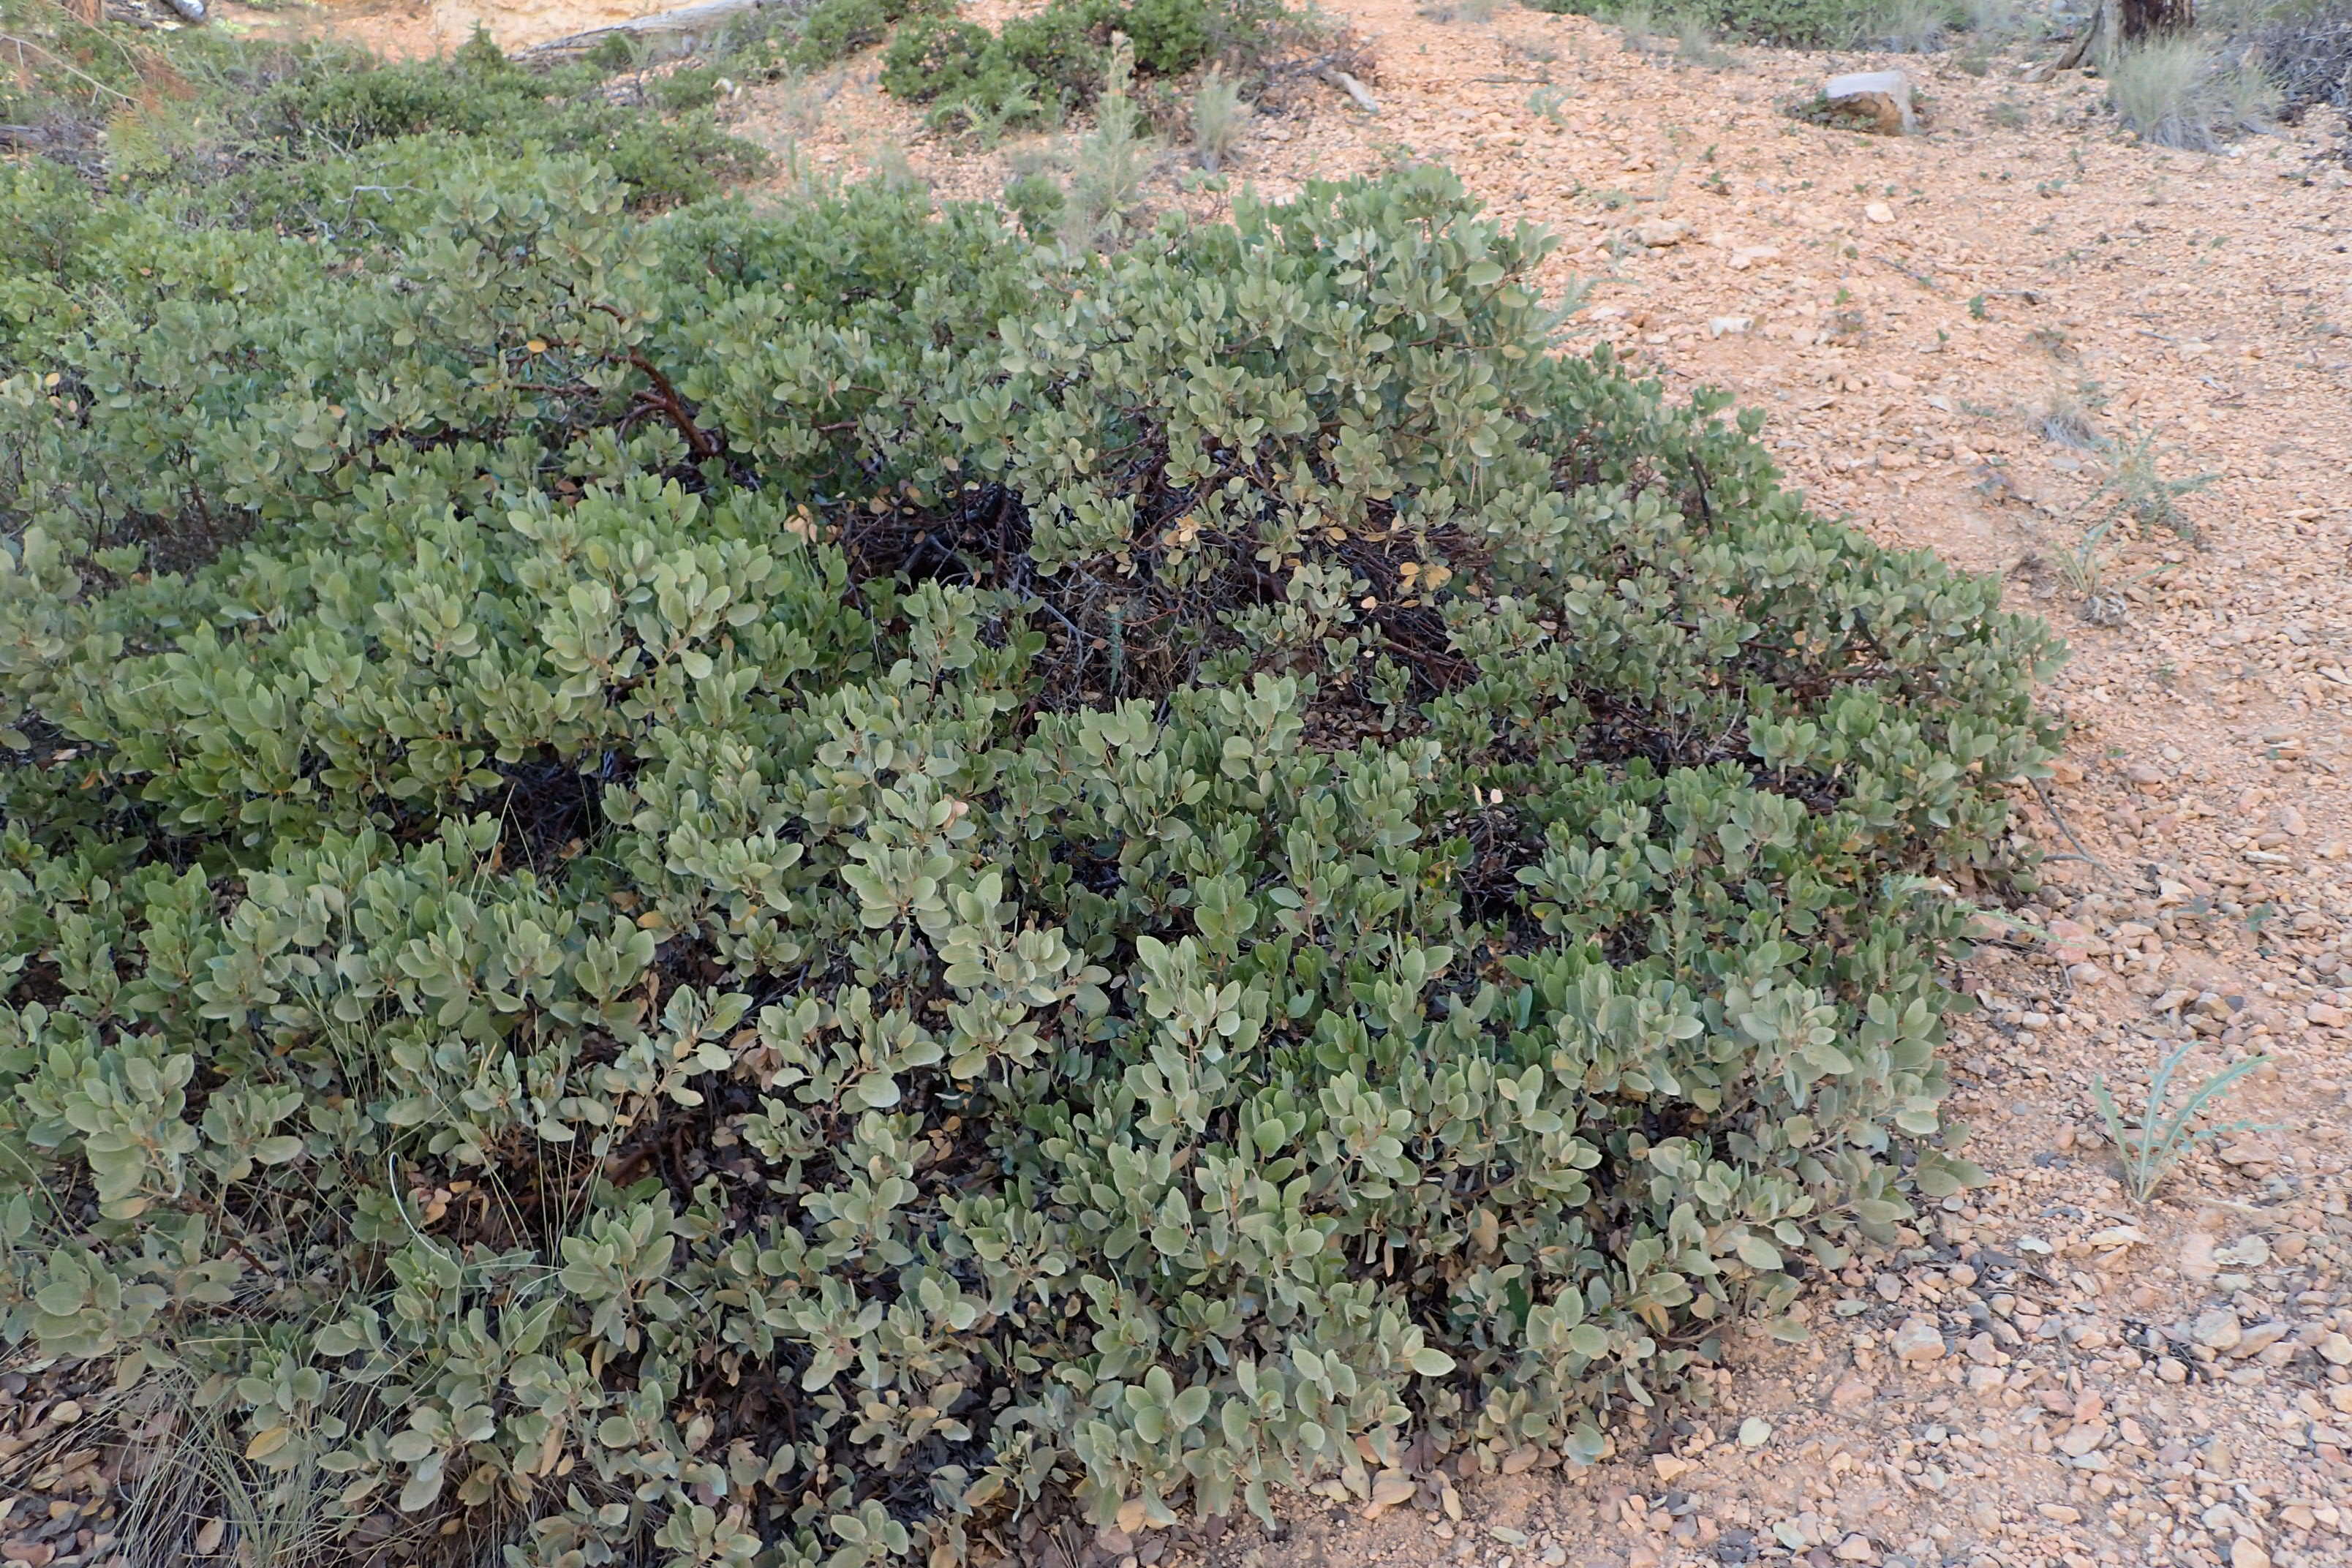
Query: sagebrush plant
(1109,164)
(800,886)
(1696,43)
(2184,90)
(1911,26)
(2152,1143)
(1220,117)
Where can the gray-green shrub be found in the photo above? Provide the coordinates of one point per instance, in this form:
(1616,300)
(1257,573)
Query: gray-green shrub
(781,889)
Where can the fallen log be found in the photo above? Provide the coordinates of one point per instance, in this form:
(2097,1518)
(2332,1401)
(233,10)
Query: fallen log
(683,31)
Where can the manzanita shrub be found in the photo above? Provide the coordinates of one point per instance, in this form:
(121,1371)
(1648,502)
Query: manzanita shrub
(793,888)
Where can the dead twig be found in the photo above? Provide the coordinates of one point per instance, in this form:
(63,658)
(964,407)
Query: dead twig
(2052,807)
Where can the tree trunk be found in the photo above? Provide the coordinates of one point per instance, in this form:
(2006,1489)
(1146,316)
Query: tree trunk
(2140,20)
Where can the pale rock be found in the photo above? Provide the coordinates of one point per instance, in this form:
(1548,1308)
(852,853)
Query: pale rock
(1918,1341)
(1853,1394)
(2258,1338)
(1856,1548)
(1884,96)
(1755,1432)
(1659,232)
(2248,1252)
(2083,1439)
(2245,1551)
(1728,326)
(1878,212)
(2337,1349)
(1747,255)
(2217,1329)
(2326,1016)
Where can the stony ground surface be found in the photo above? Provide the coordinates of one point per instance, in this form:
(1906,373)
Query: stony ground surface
(2014,339)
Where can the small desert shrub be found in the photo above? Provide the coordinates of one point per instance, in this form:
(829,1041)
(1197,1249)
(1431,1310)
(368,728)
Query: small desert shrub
(1036,199)
(1057,57)
(1696,43)
(1799,23)
(1220,118)
(1914,26)
(1636,24)
(2135,488)
(2180,91)
(2064,419)
(2305,50)
(1109,164)
(795,885)
(2153,1142)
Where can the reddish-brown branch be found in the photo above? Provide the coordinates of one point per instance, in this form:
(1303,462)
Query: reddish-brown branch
(664,397)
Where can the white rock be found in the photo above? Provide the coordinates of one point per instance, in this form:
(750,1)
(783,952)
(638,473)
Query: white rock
(1885,96)
(2083,1437)
(1878,212)
(2248,1252)
(2260,1337)
(1918,1341)
(1728,326)
(2217,1329)
(1658,232)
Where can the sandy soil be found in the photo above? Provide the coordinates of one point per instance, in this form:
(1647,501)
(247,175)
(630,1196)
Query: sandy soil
(1961,338)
